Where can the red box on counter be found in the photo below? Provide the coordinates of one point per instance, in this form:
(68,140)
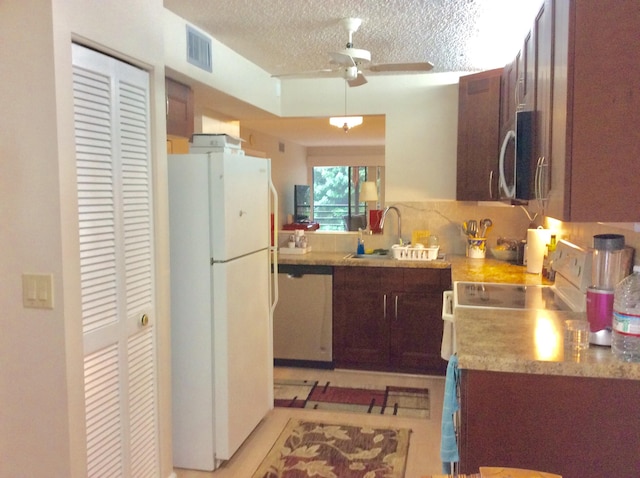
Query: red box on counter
(307,226)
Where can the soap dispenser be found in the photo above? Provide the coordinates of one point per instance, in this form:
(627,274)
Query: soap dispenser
(360,249)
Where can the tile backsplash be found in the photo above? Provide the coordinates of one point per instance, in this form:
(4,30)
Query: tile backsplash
(444,219)
(441,218)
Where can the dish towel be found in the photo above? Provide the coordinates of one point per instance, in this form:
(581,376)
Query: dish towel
(448,444)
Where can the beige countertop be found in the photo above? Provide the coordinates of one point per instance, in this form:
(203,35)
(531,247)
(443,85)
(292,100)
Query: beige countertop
(462,268)
(530,341)
(345,259)
(518,341)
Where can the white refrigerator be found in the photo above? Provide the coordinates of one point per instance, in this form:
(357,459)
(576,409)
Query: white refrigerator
(221,303)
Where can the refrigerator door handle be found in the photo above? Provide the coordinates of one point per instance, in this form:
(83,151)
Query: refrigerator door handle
(274,245)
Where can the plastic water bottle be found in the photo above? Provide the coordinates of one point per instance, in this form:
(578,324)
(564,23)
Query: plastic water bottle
(625,334)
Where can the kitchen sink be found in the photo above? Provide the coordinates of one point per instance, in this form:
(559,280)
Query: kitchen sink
(370,256)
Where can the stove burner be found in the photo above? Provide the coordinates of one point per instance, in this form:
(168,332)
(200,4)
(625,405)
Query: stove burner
(572,265)
(507,296)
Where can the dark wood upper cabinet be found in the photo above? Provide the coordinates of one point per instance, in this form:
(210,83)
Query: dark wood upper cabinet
(595,144)
(543,94)
(526,74)
(478,136)
(509,93)
(179,106)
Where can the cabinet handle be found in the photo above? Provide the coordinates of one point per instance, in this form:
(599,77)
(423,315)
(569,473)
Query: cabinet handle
(491,184)
(384,306)
(396,307)
(519,86)
(541,186)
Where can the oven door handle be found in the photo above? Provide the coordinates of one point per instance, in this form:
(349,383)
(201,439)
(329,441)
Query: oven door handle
(448,347)
(447,305)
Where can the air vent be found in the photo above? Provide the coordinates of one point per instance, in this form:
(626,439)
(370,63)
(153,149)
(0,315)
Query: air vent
(199,49)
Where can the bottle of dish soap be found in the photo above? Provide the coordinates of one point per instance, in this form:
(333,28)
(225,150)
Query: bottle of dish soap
(360,249)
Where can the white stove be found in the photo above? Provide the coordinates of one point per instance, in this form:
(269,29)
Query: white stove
(572,266)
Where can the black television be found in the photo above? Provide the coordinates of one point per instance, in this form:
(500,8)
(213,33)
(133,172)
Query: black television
(302,203)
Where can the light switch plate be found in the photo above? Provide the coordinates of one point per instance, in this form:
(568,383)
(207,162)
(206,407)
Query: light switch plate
(37,291)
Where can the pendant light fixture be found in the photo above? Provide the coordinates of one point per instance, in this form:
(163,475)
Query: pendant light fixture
(345,122)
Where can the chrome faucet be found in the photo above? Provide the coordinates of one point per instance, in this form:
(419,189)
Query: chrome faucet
(384,216)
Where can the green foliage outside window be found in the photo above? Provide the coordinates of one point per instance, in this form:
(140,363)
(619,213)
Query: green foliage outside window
(335,195)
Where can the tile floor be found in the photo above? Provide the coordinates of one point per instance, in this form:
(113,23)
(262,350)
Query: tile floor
(424,445)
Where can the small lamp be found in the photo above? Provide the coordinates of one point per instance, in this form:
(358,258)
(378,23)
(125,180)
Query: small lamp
(369,193)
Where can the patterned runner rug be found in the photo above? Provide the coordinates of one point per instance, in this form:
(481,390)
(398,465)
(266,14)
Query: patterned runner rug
(400,401)
(324,450)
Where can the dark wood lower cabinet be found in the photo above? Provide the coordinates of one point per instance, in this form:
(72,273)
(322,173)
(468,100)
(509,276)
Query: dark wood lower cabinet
(576,427)
(389,318)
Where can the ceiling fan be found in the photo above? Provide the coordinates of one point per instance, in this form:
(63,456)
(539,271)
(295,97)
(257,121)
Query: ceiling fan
(350,62)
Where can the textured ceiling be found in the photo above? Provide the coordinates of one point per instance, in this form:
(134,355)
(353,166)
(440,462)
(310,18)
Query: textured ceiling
(290,36)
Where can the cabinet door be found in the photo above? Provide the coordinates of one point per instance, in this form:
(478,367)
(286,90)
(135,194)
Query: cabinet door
(416,332)
(509,96)
(416,321)
(596,141)
(179,109)
(549,422)
(543,38)
(478,136)
(360,316)
(360,336)
(526,75)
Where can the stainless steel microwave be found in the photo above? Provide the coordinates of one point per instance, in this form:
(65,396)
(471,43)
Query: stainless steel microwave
(519,169)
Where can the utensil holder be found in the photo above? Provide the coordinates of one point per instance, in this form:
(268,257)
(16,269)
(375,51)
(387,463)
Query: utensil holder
(476,247)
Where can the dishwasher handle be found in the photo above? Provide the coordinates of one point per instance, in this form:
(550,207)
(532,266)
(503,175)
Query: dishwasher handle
(297,271)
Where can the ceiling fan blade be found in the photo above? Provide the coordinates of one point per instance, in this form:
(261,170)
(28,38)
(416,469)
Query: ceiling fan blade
(358,81)
(400,67)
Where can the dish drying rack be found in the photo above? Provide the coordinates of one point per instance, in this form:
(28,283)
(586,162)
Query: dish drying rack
(407,253)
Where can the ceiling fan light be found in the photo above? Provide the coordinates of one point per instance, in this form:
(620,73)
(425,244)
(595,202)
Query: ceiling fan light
(351,73)
(345,122)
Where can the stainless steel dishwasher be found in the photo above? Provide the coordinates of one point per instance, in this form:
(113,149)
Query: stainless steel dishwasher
(302,320)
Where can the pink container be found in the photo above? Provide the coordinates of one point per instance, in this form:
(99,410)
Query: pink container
(599,308)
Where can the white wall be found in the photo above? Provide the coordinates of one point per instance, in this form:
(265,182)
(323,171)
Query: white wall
(41,377)
(288,168)
(231,74)
(421,126)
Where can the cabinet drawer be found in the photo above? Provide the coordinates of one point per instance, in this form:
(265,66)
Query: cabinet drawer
(368,278)
(417,280)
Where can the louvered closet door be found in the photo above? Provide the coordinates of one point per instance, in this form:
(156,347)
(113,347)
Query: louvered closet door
(111,111)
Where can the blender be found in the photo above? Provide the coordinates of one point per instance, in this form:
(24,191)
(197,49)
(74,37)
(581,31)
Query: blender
(611,262)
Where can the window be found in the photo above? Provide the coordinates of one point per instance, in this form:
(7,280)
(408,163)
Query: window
(336,191)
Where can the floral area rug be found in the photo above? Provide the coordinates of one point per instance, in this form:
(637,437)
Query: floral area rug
(314,449)
(400,401)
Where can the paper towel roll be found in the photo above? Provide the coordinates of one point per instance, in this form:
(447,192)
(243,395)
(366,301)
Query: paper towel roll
(537,240)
